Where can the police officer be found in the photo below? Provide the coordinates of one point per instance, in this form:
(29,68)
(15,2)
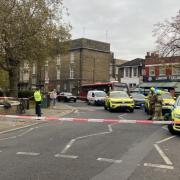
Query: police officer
(151,99)
(38,100)
(158,106)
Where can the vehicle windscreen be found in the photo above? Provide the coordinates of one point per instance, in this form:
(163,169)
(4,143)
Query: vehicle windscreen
(138,96)
(119,95)
(167,96)
(100,94)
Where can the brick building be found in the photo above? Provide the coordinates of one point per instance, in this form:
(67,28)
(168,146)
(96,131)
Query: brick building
(86,61)
(160,70)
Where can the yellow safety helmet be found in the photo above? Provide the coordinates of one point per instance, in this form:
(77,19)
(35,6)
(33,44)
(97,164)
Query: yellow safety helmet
(152,89)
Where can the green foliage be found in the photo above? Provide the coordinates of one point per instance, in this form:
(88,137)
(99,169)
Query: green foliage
(29,31)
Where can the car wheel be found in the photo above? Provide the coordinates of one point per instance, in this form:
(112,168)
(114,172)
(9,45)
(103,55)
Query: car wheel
(131,110)
(105,107)
(74,100)
(171,130)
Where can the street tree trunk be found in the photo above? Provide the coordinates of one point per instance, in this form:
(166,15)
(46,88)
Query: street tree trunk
(13,81)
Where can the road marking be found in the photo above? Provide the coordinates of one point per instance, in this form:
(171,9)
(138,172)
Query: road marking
(11,137)
(65,156)
(164,140)
(28,153)
(76,111)
(109,160)
(158,166)
(68,146)
(110,128)
(121,116)
(29,130)
(162,154)
(0,151)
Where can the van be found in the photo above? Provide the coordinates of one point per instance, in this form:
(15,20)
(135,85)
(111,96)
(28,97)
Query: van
(96,97)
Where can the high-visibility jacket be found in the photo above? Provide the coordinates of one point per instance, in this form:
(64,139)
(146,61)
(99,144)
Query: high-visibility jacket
(37,96)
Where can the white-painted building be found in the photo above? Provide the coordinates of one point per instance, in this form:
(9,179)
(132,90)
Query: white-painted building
(131,72)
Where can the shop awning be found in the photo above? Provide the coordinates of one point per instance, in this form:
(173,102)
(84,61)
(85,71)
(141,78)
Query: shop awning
(159,85)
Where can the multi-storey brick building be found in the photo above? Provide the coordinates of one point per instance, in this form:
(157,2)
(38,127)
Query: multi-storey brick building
(86,61)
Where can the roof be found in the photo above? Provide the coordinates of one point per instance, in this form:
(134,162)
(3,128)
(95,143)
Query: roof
(135,62)
(159,84)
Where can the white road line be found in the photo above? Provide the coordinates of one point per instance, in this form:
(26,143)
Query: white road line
(76,111)
(28,153)
(0,151)
(110,128)
(68,146)
(109,160)
(22,134)
(164,140)
(120,116)
(162,154)
(11,137)
(65,156)
(90,135)
(158,166)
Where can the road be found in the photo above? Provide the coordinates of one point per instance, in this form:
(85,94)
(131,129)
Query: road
(90,151)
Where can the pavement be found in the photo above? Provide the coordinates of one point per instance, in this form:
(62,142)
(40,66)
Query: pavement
(8,124)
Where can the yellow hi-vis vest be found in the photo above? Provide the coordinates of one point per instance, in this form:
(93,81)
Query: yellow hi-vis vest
(37,96)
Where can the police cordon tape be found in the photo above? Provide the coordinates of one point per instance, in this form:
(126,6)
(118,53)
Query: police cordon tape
(121,121)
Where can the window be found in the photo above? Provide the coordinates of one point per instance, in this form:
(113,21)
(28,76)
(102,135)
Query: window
(58,73)
(135,69)
(58,60)
(71,73)
(176,70)
(71,57)
(34,68)
(33,80)
(126,72)
(162,71)
(152,71)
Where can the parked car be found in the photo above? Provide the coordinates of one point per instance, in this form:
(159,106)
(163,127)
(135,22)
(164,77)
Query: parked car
(119,100)
(168,103)
(175,117)
(139,99)
(96,97)
(66,97)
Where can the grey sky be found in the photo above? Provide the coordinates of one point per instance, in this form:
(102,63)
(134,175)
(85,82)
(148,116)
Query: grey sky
(126,24)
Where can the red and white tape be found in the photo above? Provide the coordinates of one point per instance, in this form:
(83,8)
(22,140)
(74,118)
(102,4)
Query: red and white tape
(48,118)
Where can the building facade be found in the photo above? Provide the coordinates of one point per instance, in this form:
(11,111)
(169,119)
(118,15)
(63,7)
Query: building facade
(162,70)
(131,72)
(86,61)
(114,68)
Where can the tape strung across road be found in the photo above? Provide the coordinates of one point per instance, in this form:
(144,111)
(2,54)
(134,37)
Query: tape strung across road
(123,121)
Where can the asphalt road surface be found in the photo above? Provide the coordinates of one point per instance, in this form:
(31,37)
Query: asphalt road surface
(91,151)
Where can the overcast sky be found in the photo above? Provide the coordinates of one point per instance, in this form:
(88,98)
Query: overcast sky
(126,24)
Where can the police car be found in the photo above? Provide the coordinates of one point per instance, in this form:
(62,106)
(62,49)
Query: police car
(174,128)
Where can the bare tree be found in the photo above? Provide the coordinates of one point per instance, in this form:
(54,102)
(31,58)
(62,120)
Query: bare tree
(168,36)
(28,29)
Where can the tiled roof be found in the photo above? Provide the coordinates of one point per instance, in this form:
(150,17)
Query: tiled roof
(135,62)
